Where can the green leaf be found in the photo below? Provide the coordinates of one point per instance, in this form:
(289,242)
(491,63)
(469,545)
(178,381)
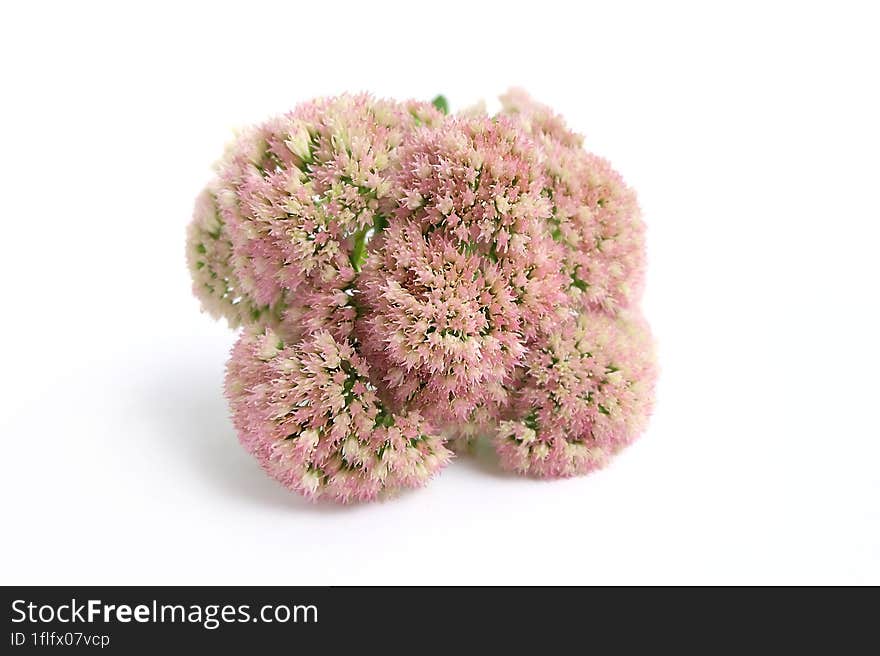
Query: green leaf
(441,103)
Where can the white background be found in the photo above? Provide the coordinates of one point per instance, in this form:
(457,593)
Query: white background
(751,133)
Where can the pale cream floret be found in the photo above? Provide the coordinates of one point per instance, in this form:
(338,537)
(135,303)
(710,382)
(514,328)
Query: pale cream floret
(299,143)
(269,345)
(311,481)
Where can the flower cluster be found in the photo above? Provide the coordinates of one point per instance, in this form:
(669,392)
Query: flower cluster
(209,255)
(311,416)
(585,395)
(595,215)
(467,274)
(297,198)
(407,280)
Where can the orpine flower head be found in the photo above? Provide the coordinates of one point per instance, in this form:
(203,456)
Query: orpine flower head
(467,272)
(538,120)
(588,392)
(209,256)
(597,218)
(595,215)
(302,194)
(442,325)
(311,417)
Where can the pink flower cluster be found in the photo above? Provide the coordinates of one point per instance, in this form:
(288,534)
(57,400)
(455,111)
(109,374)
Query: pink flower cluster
(407,281)
(311,416)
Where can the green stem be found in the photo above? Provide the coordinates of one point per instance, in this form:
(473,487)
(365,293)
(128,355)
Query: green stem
(359,252)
